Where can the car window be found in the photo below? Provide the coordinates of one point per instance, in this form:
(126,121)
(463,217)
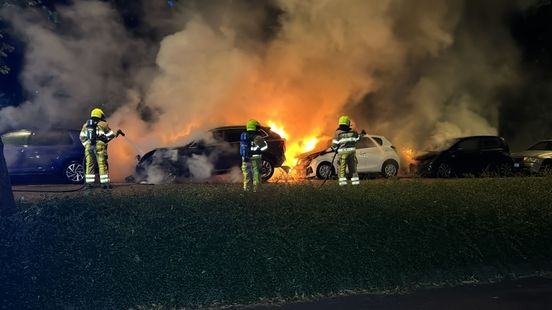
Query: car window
(491,143)
(50,138)
(541,146)
(468,145)
(366,142)
(233,135)
(445,145)
(17,138)
(218,135)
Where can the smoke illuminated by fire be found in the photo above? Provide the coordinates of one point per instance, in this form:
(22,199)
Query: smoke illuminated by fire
(413,71)
(408,154)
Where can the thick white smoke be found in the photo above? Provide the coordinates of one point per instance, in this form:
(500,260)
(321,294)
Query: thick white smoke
(417,72)
(70,68)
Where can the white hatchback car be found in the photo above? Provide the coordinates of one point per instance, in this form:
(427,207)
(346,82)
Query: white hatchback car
(375,154)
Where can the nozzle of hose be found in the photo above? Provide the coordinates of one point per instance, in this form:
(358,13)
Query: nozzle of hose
(120,133)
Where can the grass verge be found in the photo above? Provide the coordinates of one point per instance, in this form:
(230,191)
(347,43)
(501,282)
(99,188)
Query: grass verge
(196,245)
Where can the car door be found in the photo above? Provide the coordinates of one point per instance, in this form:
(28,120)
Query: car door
(16,144)
(369,155)
(492,152)
(230,149)
(465,156)
(47,150)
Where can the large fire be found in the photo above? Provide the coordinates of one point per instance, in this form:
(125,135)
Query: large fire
(123,151)
(294,145)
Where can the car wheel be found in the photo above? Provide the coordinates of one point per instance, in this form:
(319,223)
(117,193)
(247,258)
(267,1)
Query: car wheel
(444,170)
(267,170)
(73,172)
(546,168)
(324,171)
(390,169)
(505,169)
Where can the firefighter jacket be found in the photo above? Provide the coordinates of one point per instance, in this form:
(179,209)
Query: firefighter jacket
(102,132)
(252,145)
(345,140)
(258,145)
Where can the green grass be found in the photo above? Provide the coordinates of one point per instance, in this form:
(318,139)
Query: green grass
(193,245)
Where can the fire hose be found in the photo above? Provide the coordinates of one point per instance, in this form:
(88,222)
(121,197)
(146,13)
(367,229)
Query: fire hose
(81,187)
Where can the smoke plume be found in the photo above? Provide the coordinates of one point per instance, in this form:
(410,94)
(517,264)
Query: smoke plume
(416,72)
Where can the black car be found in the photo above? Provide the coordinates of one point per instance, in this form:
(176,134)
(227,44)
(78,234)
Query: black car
(474,155)
(202,158)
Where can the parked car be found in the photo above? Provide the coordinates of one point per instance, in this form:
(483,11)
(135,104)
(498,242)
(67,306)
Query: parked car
(472,155)
(201,158)
(375,154)
(53,155)
(536,159)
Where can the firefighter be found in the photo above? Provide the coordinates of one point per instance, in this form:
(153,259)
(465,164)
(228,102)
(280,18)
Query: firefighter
(251,147)
(95,135)
(344,143)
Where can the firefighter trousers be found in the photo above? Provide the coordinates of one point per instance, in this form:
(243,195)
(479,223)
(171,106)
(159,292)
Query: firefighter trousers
(96,154)
(348,161)
(251,173)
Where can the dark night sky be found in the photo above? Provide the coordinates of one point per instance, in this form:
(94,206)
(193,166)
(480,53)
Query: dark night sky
(531,29)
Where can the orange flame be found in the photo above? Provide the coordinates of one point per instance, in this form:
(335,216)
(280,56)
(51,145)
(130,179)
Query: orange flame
(296,146)
(408,154)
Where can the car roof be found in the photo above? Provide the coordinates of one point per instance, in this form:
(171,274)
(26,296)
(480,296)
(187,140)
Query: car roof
(41,130)
(481,136)
(234,127)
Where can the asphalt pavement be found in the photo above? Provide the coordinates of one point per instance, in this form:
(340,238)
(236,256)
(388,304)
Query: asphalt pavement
(522,294)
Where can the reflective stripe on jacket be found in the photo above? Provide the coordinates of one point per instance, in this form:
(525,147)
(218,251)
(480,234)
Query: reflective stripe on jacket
(258,145)
(346,140)
(103,133)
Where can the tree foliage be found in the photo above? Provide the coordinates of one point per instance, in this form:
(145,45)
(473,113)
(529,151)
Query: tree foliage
(5,47)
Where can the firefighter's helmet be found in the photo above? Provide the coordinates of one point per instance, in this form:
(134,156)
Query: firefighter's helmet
(97,112)
(344,120)
(252,125)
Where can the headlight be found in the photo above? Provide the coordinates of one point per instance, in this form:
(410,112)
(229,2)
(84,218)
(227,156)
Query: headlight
(530,159)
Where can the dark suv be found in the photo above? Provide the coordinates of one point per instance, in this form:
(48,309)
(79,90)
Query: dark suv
(473,155)
(33,156)
(202,158)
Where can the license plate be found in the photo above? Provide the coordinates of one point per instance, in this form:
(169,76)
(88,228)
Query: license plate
(516,165)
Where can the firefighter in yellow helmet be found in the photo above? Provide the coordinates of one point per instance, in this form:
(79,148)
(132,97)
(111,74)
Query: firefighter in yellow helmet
(95,135)
(252,146)
(344,143)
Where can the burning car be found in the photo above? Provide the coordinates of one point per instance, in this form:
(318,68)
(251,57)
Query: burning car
(536,159)
(375,154)
(204,157)
(473,155)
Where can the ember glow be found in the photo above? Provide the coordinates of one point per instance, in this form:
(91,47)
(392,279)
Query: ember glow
(407,153)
